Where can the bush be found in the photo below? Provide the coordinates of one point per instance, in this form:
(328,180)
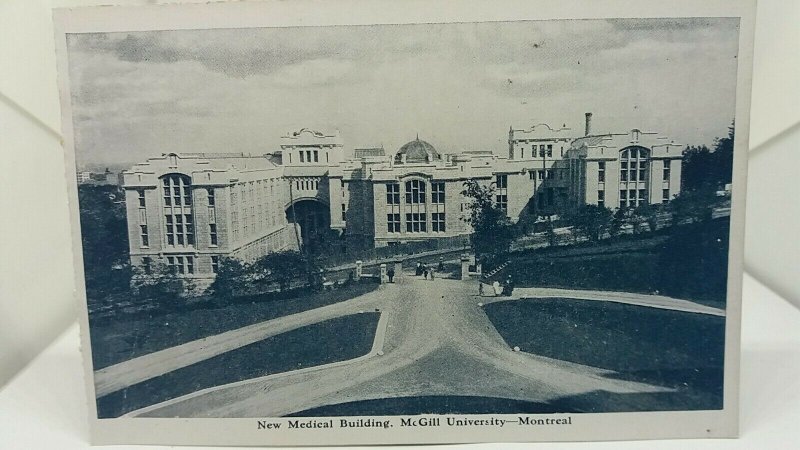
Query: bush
(693,262)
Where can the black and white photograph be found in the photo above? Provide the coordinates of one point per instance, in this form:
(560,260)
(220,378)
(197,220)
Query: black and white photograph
(491,224)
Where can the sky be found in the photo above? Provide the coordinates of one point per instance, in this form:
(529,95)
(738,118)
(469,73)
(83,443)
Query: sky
(459,86)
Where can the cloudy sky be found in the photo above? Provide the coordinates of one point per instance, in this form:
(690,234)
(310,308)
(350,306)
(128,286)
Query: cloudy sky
(460,86)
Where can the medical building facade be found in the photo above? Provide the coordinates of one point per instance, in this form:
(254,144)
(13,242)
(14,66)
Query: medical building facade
(187,211)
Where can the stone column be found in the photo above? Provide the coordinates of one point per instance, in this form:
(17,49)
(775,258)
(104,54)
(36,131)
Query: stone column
(359,269)
(464,267)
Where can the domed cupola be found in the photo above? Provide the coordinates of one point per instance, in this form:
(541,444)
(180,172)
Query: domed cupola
(416,151)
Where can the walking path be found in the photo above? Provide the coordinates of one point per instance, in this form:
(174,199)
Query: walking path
(437,341)
(136,370)
(628,298)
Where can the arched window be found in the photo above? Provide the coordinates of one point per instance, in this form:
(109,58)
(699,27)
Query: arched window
(178,218)
(633,166)
(177,190)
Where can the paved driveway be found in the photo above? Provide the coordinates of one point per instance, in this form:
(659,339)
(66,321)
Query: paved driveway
(433,339)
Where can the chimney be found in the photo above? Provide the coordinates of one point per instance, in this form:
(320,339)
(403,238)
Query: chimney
(588,124)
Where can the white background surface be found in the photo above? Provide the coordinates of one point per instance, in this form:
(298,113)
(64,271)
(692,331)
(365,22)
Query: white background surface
(36,276)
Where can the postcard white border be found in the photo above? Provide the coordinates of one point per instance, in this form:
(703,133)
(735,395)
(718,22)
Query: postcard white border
(585,427)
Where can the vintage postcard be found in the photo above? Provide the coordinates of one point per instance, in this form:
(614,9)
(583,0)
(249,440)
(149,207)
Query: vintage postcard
(310,223)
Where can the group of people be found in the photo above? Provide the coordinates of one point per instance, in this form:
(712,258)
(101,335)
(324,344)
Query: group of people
(425,271)
(506,288)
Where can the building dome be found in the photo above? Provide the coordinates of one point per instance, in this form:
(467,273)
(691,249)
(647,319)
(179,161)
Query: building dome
(416,151)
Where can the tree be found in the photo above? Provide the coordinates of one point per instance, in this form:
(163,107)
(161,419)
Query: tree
(161,284)
(693,205)
(592,221)
(723,157)
(492,232)
(283,268)
(233,278)
(703,168)
(618,221)
(697,168)
(649,214)
(104,235)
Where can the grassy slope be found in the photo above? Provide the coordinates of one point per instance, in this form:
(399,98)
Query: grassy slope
(679,350)
(687,262)
(114,341)
(322,343)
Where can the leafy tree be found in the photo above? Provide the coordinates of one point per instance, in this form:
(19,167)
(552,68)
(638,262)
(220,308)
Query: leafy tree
(592,221)
(284,267)
(232,278)
(104,235)
(697,168)
(161,284)
(703,168)
(492,231)
(723,157)
(693,205)
(649,214)
(618,221)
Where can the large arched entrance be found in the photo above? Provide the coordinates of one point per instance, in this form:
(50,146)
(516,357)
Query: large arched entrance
(314,219)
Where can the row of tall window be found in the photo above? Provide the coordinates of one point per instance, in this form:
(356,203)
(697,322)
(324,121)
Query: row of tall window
(545,151)
(178,220)
(305,155)
(179,264)
(416,192)
(180,229)
(310,156)
(543,174)
(177,190)
(306,185)
(633,164)
(631,198)
(416,222)
(632,171)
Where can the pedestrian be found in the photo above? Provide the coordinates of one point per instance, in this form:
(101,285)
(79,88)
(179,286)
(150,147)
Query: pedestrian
(480,288)
(441,264)
(432,271)
(425,272)
(418,272)
(390,274)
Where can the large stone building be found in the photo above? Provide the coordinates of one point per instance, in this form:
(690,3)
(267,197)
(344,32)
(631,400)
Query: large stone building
(188,211)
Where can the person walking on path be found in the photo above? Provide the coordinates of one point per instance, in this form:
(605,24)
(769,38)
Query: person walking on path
(425,272)
(432,272)
(390,274)
(418,272)
(441,264)
(480,288)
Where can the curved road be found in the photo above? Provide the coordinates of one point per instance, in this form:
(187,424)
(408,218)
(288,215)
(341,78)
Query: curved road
(436,340)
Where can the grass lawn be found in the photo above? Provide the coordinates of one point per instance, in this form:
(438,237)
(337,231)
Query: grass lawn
(322,343)
(688,262)
(674,349)
(129,336)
